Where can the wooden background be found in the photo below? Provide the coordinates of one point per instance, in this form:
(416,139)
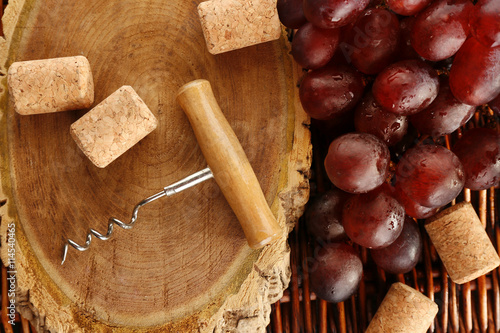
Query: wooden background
(189,247)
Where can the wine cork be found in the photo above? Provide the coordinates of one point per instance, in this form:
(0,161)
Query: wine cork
(113,126)
(403,310)
(462,243)
(50,85)
(233,24)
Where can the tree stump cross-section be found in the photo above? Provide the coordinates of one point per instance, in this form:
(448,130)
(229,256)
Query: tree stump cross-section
(185,266)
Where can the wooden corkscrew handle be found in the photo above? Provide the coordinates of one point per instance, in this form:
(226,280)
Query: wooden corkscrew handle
(229,164)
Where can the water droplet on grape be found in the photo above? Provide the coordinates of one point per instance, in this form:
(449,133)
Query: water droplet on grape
(395,126)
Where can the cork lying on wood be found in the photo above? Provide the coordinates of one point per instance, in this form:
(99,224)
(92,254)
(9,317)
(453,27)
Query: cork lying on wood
(51,85)
(462,243)
(403,310)
(113,126)
(233,24)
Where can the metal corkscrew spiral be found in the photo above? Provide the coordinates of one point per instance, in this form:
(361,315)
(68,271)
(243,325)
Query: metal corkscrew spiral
(170,190)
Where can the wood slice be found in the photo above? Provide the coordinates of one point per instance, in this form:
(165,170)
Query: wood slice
(185,266)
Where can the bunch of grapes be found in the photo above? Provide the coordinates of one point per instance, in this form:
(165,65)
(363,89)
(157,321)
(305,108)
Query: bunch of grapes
(389,70)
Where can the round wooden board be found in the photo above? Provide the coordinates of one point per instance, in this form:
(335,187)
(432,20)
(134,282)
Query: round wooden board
(185,265)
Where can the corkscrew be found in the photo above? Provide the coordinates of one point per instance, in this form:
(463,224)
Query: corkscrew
(184,184)
(227,164)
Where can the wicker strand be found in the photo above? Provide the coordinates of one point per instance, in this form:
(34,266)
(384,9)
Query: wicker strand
(454,312)
(276,323)
(25,325)
(323,312)
(483,297)
(294,286)
(445,295)
(305,285)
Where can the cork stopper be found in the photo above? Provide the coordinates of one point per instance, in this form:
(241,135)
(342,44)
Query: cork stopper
(403,310)
(50,85)
(462,243)
(113,126)
(233,24)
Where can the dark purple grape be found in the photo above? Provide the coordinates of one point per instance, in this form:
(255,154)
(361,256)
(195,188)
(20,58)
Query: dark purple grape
(430,175)
(403,254)
(475,73)
(327,14)
(441,29)
(336,272)
(485,22)
(407,7)
(479,152)
(495,104)
(445,115)
(406,87)
(291,13)
(406,50)
(330,91)
(369,117)
(357,162)
(324,216)
(373,220)
(313,47)
(372,41)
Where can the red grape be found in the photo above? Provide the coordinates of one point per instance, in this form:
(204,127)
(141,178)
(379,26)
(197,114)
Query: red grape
(441,29)
(403,254)
(373,220)
(406,87)
(324,216)
(330,91)
(291,13)
(495,104)
(357,162)
(369,117)
(327,14)
(313,47)
(406,50)
(485,22)
(336,272)
(475,73)
(407,7)
(413,209)
(430,175)
(372,40)
(479,152)
(444,115)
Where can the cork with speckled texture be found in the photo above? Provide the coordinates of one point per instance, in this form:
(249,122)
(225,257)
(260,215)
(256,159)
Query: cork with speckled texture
(113,126)
(462,243)
(50,85)
(403,310)
(233,24)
